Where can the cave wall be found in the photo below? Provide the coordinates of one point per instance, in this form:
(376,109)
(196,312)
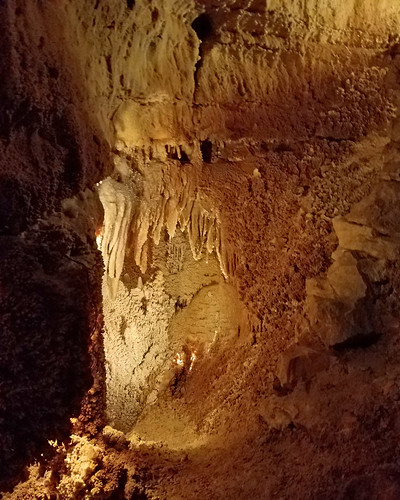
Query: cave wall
(260,129)
(242,125)
(283,90)
(52,150)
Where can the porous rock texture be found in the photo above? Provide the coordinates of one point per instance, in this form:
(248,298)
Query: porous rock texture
(238,161)
(51,152)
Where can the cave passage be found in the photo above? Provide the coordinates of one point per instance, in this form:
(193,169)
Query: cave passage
(199,250)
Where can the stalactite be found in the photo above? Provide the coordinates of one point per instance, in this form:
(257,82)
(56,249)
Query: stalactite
(168,198)
(117,200)
(171,216)
(140,230)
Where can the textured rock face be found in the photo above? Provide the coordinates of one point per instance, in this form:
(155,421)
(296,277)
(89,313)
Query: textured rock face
(227,126)
(246,161)
(168,71)
(50,152)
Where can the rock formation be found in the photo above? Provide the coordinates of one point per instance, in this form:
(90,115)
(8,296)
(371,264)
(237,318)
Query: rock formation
(234,331)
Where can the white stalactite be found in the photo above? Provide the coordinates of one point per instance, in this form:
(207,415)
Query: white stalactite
(117,200)
(168,200)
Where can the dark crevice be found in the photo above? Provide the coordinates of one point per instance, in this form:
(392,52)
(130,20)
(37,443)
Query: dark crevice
(206,149)
(109,66)
(196,71)
(130,4)
(180,304)
(335,139)
(182,158)
(203,28)
(360,341)
(155,15)
(282,148)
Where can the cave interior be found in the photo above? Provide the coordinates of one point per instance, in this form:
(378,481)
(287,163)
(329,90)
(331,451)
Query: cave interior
(199,249)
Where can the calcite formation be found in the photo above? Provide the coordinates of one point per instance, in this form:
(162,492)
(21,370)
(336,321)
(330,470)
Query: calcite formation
(238,161)
(117,202)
